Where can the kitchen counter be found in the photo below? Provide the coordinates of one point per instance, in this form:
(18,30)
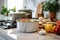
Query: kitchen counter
(4,35)
(33,36)
(36,36)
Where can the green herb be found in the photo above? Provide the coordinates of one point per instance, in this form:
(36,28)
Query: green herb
(52,6)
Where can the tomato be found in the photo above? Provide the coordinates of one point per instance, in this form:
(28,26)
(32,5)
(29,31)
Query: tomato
(57,28)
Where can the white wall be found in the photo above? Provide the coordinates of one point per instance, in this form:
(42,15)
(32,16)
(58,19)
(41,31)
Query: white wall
(32,5)
(58,13)
(15,3)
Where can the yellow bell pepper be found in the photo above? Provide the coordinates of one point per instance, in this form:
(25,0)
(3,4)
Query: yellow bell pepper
(49,27)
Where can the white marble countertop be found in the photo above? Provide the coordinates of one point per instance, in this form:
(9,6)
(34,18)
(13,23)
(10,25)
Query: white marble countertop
(2,17)
(36,36)
(4,36)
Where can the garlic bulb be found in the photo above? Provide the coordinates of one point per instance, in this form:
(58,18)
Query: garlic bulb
(42,32)
(40,18)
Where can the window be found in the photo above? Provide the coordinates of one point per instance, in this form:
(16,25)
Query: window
(17,3)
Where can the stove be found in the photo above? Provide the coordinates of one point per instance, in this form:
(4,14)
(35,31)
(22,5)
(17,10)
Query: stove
(7,24)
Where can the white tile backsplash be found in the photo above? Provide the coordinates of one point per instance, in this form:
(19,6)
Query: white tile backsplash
(58,15)
(2,17)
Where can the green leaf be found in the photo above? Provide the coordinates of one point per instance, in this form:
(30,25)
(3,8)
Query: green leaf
(48,6)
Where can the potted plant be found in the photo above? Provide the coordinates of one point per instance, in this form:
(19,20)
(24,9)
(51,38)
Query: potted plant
(5,11)
(52,6)
(14,9)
